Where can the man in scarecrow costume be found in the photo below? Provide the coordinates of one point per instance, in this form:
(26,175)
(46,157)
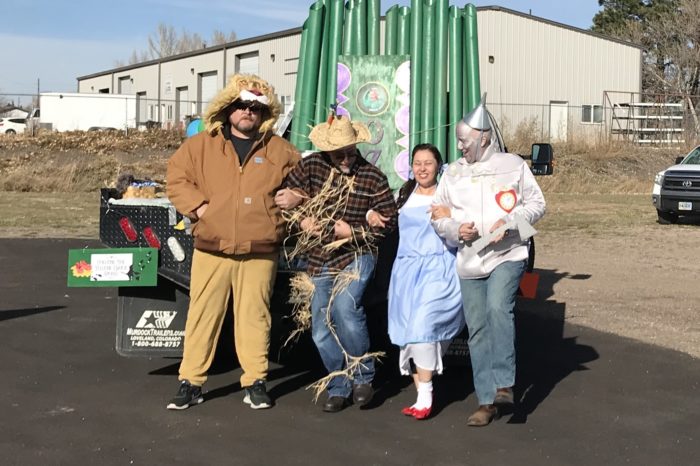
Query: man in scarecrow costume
(484,190)
(224,179)
(339,187)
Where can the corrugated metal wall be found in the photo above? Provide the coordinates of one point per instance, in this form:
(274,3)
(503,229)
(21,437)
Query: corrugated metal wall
(527,64)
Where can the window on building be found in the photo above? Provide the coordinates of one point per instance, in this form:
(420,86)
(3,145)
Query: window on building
(591,114)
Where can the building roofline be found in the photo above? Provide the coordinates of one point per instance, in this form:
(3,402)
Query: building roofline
(561,25)
(297,30)
(214,48)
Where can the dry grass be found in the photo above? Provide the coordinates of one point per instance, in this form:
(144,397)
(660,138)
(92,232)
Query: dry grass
(82,161)
(50,184)
(595,214)
(59,215)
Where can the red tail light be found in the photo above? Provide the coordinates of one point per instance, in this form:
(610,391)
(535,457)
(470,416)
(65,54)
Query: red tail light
(128,229)
(151,237)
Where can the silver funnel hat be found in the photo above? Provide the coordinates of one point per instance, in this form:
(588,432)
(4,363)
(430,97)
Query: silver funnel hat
(479,117)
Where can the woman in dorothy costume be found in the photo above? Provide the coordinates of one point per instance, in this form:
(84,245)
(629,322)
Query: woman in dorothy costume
(425,303)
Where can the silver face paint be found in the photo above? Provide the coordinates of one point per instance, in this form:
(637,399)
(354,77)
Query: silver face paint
(468,142)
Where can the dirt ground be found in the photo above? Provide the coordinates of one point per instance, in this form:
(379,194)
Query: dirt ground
(639,282)
(601,256)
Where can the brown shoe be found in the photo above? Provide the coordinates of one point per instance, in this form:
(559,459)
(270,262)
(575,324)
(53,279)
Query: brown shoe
(504,396)
(483,416)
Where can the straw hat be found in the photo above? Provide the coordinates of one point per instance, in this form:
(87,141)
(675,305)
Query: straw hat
(338,132)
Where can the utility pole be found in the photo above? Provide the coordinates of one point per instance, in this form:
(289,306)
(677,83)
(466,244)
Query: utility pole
(35,120)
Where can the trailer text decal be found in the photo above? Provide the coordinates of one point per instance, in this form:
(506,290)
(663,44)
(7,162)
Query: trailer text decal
(152,331)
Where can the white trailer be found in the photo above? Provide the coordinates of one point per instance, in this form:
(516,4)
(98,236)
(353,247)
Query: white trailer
(66,111)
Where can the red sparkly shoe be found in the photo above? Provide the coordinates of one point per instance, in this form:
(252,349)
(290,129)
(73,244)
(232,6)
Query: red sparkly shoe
(408,411)
(422,413)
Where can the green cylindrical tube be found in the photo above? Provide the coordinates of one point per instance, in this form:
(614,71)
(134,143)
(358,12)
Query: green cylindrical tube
(416,71)
(360,10)
(373,18)
(349,30)
(334,49)
(391,24)
(441,71)
(403,31)
(297,135)
(320,111)
(312,57)
(428,81)
(471,58)
(456,82)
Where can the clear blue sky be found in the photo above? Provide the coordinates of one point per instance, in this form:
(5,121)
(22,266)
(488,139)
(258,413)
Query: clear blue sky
(59,40)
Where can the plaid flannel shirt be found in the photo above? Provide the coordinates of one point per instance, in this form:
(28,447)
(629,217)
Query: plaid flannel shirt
(371,191)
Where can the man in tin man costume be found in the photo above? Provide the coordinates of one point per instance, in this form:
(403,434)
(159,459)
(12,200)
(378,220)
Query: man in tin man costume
(493,199)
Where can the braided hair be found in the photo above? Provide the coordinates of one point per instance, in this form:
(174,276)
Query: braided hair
(408,187)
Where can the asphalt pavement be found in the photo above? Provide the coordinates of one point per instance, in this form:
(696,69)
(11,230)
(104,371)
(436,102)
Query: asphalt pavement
(585,397)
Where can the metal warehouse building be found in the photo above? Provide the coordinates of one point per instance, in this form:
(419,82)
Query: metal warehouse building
(557,77)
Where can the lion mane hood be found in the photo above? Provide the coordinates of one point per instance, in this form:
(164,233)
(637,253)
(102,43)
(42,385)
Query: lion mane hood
(216,115)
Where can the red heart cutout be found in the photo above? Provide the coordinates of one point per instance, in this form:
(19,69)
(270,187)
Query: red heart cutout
(506,200)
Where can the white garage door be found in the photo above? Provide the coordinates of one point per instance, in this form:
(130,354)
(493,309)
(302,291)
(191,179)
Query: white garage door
(207,90)
(124,86)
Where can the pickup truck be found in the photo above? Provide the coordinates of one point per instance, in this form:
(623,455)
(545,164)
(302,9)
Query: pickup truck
(676,190)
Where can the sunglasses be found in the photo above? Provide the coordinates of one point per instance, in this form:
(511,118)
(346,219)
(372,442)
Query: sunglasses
(255,107)
(343,154)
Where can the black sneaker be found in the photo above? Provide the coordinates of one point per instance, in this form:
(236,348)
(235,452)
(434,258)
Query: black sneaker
(187,395)
(256,395)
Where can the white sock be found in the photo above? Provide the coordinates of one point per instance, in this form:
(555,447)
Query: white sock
(425,395)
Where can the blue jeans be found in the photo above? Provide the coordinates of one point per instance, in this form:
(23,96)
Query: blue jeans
(349,321)
(488,309)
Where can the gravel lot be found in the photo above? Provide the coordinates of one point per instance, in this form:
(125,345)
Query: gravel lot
(638,282)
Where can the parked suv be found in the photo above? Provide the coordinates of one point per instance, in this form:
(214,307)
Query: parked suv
(676,190)
(12,125)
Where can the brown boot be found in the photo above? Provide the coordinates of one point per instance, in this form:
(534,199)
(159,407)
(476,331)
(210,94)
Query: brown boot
(504,396)
(482,416)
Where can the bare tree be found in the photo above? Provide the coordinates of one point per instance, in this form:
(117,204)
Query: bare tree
(678,51)
(669,33)
(164,43)
(220,38)
(139,57)
(678,48)
(188,42)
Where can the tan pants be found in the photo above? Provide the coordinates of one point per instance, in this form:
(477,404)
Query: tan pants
(213,278)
